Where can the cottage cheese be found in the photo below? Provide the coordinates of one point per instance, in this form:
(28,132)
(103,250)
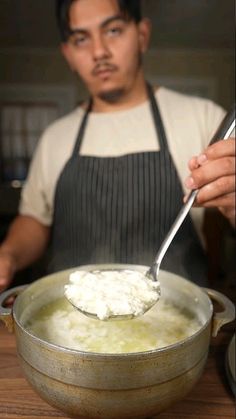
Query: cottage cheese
(112,293)
(163,325)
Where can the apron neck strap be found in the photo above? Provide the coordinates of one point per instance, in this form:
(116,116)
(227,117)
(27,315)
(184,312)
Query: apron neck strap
(160,130)
(82,128)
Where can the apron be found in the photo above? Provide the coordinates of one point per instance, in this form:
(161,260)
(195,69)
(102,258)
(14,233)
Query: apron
(119,209)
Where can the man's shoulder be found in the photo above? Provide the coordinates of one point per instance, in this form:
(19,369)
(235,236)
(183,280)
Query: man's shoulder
(183,102)
(183,113)
(65,122)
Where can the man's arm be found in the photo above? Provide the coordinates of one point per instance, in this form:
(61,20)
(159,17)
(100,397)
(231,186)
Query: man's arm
(26,241)
(214,173)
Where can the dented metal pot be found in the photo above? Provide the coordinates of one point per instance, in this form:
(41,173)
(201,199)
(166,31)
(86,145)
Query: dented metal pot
(114,386)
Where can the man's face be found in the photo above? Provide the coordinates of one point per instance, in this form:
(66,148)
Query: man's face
(104,48)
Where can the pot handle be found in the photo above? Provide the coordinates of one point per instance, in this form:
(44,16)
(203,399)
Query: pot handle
(5,312)
(222,317)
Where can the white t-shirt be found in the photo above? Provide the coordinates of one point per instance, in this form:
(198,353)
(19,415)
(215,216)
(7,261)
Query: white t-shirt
(189,122)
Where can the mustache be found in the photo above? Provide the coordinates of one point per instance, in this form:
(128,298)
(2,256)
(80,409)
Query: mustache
(103,66)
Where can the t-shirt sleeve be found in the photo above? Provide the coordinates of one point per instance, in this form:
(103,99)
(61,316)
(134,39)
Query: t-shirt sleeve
(214,115)
(34,198)
(53,150)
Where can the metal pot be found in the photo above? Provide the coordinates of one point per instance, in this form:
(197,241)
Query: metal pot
(132,385)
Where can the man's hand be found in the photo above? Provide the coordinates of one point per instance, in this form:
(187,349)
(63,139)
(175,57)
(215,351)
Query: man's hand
(26,241)
(213,172)
(7,269)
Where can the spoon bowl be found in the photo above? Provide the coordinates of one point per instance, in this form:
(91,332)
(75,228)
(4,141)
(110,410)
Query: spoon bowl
(112,294)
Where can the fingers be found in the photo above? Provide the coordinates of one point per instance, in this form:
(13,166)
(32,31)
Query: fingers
(193,163)
(219,193)
(211,172)
(220,149)
(215,151)
(226,200)
(218,188)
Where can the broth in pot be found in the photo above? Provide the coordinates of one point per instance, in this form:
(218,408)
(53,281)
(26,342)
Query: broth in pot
(61,324)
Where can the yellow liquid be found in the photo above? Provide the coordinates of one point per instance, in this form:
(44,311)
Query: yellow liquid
(59,323)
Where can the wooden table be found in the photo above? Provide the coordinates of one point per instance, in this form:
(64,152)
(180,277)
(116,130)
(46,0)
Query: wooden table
(210,398)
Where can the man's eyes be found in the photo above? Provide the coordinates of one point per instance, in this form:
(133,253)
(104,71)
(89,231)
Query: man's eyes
(82,39)
(114,30)
(79,40)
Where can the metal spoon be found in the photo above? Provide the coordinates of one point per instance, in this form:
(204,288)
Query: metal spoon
(224,131)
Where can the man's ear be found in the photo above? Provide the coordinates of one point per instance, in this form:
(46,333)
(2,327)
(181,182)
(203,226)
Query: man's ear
(144,28)
(65,50)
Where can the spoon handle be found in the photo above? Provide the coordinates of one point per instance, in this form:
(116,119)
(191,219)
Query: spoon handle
(224,131)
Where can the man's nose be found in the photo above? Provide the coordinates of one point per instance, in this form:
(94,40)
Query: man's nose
(100,48)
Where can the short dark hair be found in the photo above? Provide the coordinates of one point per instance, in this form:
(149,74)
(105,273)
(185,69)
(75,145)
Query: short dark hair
(130,8)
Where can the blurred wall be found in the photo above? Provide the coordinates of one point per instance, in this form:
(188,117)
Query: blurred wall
(47,66)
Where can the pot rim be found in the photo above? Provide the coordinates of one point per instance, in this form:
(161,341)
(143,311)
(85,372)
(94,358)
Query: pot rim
(140,354)
(137,354)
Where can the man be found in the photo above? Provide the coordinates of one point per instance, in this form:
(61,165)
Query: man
(107,181)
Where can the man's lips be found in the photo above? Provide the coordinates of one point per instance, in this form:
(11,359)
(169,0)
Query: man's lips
(103,70)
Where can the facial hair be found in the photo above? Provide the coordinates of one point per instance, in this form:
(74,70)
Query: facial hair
(111,96)
(115,95)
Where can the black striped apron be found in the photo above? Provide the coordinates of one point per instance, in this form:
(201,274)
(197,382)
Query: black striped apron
(119,209)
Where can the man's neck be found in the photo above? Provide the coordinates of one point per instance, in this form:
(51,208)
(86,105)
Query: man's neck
(132,97)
